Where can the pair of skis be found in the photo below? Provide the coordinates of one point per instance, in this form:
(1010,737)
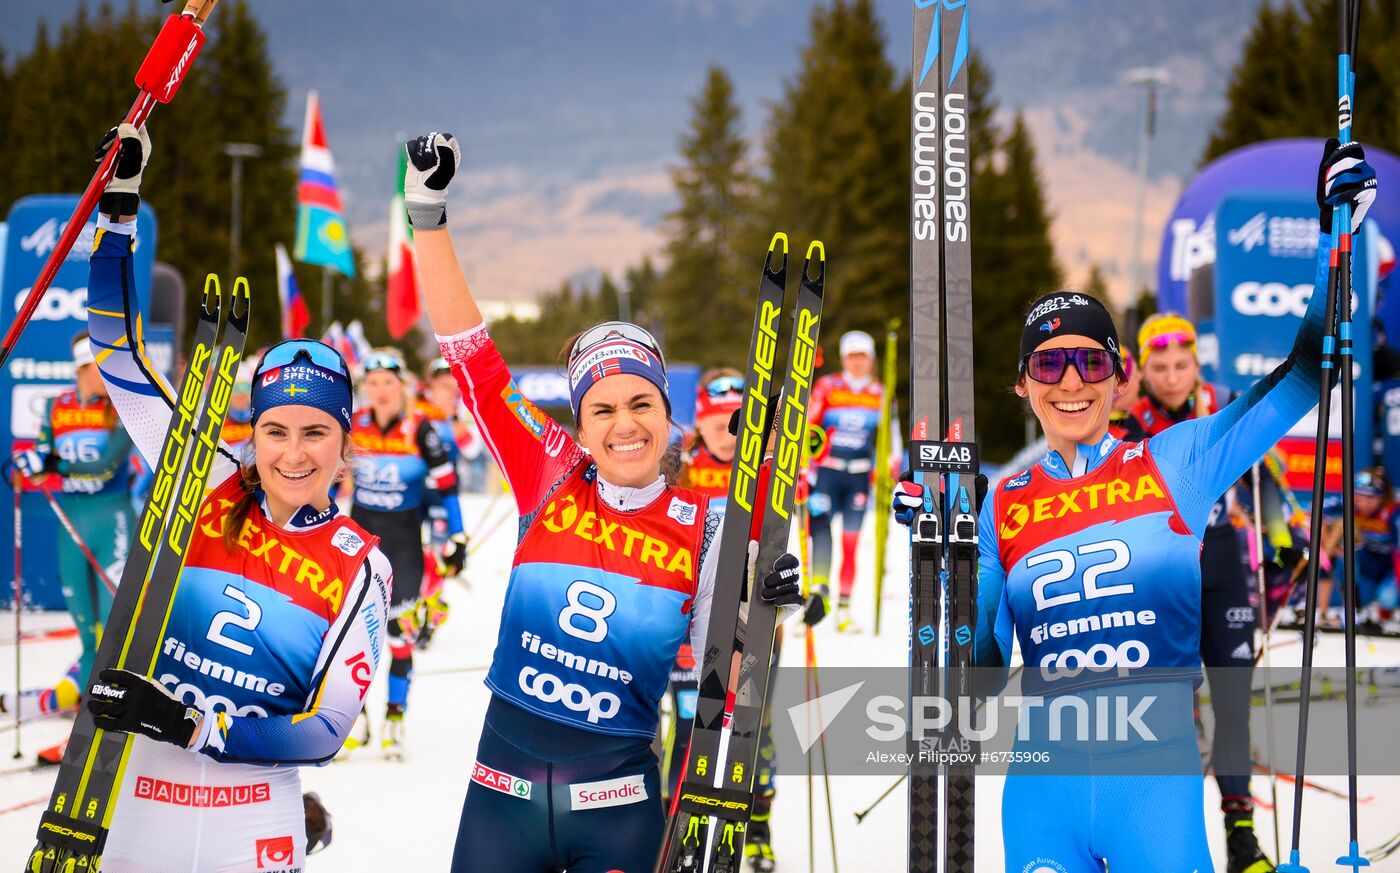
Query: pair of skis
(73,828)
(715,800)
(942,450)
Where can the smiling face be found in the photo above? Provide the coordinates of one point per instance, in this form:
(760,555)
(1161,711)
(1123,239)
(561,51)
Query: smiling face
(297,450)
(1072,411)
(623,424)
(1171,374)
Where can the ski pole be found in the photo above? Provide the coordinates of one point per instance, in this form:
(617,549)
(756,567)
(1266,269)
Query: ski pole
(1346,87)
(167,63)
(826,770)
(18,588)
(1258,542)
(884,486)
(77,538)
(1332,329)
(860,816)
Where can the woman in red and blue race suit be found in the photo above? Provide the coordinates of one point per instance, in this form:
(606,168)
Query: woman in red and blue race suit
(613,568)
(400,454)
(846,406)
(1089,560)
(278,623)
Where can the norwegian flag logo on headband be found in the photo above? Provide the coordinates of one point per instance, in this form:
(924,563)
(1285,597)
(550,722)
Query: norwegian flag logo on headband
(614,357)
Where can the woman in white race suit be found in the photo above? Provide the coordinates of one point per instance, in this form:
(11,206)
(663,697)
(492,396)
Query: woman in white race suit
(278,623)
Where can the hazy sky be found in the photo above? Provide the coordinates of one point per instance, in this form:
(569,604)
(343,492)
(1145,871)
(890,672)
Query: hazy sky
(569,111)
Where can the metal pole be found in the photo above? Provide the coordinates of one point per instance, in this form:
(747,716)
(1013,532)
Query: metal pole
(238,151)
(325,298)
(1152,78)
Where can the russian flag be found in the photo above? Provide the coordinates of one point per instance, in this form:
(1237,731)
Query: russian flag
(295,316)
(357,347)
(322,237)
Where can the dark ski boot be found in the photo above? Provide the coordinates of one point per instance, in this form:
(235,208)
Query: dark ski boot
(1242,847)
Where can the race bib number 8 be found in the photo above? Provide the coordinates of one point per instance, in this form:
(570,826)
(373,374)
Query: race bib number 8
(582,608)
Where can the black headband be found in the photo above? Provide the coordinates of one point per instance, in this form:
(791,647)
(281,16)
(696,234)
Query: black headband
(1065,313)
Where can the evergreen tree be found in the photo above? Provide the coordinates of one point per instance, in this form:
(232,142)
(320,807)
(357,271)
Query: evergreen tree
(65,95)
(1013,261)
(705,285)
(1285,84)
(837,155)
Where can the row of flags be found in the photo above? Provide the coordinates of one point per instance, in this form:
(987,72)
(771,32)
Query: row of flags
(322,239)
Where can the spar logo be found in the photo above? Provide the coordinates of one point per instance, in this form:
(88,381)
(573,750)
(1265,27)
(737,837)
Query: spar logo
(502,782)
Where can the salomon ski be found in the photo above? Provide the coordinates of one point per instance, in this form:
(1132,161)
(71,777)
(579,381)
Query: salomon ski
(943,454)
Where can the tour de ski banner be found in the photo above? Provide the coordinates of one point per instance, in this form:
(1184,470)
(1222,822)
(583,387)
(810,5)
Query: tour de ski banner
(42,364)
(1265,267)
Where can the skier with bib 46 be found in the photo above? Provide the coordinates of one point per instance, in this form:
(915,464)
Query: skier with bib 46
(1090,561)
(613,568)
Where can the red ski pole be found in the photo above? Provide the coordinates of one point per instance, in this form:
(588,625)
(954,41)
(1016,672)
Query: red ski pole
(18,590)
(77,538)
(167,63)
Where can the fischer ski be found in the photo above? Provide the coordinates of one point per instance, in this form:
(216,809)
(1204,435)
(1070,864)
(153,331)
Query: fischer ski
(715,800)
(73,828)
(943,451)
(687,834)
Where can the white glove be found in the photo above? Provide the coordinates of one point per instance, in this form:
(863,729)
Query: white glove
(433,159)
(31,462)
(136,151)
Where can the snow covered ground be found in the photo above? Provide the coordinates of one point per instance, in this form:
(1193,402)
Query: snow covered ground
(403,816)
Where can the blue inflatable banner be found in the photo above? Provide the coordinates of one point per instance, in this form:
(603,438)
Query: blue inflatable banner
(1265,267)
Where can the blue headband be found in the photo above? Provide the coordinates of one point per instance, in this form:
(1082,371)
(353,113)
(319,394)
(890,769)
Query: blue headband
(302,384)
(612,357)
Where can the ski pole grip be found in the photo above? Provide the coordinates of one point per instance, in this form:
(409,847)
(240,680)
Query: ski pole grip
(171,57)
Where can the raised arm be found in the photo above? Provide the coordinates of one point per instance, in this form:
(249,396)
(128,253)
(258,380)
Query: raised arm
(532,450)
(1210,453)
(143,398)
(432,161)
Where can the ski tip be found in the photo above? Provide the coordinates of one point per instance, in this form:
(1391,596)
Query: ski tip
(780,240)
(894,324)
(212,292)
(819,247)
(242,297)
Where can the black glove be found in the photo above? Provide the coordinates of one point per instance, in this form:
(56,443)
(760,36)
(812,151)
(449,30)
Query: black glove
(818,606)
(454,555)
(1344,177)
(768,419)
(433,159)
(123,194)
(781,586)
(124,701)
(1289,557)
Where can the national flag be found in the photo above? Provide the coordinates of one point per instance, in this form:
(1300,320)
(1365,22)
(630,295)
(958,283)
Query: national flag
(401,305)
(321,234)
(358,348)
(335,337)
(605,369)
(295,316)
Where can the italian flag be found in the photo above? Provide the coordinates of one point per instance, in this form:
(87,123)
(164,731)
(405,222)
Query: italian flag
(402,304)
